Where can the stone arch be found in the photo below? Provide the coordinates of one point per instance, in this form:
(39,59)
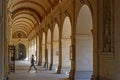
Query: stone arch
(84,44)
(55,47)
(67,14)
(66,43)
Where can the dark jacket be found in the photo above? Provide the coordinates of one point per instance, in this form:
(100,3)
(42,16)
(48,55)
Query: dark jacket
(32,61)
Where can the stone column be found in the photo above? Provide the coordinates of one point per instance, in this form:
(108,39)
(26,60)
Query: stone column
(95,58)
(49,53)
(46,54)
(17,52)
(60,57)
(46,58)
(66,55)
(43,54)
(55,55)
(28,49)
(72,71)
(51,64)
(40,51)
(36,51)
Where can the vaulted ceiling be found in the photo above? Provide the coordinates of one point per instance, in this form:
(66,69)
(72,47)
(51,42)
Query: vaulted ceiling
(27,14)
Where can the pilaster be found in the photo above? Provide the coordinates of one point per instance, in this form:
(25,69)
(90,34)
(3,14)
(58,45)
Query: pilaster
(106,54)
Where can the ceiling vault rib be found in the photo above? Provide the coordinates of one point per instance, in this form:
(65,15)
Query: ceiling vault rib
(30,2)
(29,9)
(24,18)
(23,25)
(26,13)
(24,22)
(22,30)
(30,29)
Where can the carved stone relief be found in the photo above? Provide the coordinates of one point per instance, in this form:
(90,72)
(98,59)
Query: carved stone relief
(107,32)
(107,26)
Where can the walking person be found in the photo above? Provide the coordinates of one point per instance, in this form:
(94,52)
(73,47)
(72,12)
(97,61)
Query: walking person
(32,64)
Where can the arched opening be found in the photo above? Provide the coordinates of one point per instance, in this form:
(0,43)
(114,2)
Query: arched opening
(43,48)
(49,47)
(84,44)
(55,47)
(20,51)
(66,43)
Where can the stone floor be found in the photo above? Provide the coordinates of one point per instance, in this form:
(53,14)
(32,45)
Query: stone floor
(22,73)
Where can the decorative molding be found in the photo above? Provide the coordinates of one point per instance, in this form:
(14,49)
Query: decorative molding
(82,1)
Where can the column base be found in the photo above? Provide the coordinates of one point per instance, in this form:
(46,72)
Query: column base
(39,63)
(59,70)
(94,77)
(50,68)
(44,65)
(71,75)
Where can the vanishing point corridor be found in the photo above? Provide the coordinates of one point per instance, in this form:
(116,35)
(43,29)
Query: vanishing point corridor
(66,39)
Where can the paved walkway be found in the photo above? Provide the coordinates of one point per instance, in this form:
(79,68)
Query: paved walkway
(42,74)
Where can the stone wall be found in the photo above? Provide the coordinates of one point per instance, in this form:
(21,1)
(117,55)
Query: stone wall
(117,38)
(2,38)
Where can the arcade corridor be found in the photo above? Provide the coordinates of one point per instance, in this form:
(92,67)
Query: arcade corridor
(45,29)
(73,39)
